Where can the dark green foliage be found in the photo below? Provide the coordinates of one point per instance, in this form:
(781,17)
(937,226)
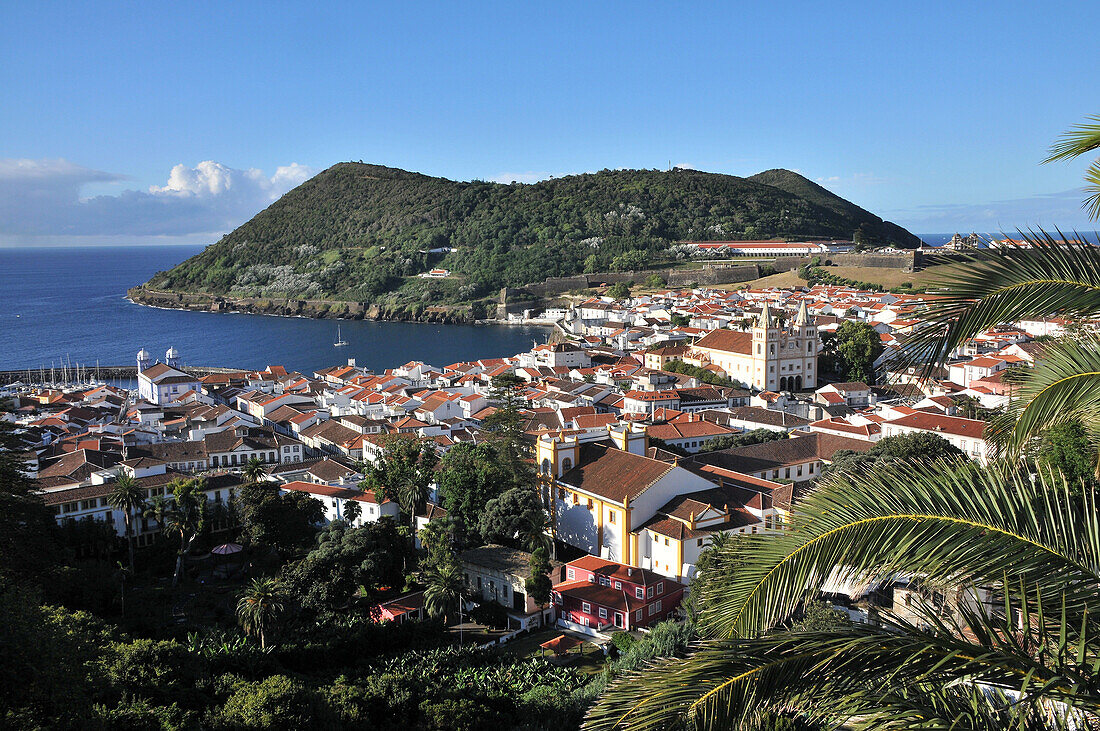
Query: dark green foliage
(680,320)
(917,445)
(654,281)
(287,523)
(623,641)
(470,475)
(276,702)
(1066,448)
(346,562)
(699,374)
(539,585)
(852,351)
(503,518)
(665,639)
(819,616)
(744,439)
(619,291)
(356,231)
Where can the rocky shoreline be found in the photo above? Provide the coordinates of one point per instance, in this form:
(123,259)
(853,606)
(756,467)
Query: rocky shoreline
(315,309)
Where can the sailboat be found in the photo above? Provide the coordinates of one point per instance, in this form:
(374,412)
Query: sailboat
(340,342)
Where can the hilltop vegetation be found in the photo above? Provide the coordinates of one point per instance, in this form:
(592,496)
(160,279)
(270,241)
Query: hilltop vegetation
(362,232)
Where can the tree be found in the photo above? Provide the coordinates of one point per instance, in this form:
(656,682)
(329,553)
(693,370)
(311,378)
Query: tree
(129,497)
(404,472)
(347,563)
(443,591)
(470,475)
(900,448)
(259,607)
(437,539)
(185,518)
(518,511)
(989,662)
(507,396)
(1065,448)
(288,523)
(857,346)
(352,511)
(743,439)
(27,550)
(618,291)
(680,320)
(254,471)
(539,585)
(654,281)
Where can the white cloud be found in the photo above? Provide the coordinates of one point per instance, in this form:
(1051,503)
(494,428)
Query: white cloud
(528,177)
(42,199)
(1049,210)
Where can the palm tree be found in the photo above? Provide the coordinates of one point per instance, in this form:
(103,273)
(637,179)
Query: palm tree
(185,518)
(1040,277)
(254,470)
(411,494)
(533,531)
(444,589)
(129,497)
(352,511)
(1016,644)
(158,508)
(1081,140)
(259,607)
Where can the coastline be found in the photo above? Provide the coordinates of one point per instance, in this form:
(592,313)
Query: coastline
(302,308)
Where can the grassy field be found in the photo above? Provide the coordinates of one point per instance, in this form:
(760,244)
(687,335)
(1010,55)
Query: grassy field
(883,277)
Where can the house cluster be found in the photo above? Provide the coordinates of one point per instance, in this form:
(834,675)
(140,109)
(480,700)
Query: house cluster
(632,409)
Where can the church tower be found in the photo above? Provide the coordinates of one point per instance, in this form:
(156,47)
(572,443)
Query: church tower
(144,360)
(172,358)
(765,339)
(807,340)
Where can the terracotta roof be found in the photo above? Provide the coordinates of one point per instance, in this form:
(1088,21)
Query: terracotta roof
(614,474)
(969,428)
(730,341)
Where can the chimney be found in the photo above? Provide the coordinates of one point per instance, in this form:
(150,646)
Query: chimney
(629,571)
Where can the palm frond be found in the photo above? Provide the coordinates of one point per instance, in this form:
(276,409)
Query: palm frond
(948,522)
(897,676)
(1081,140)
(1064,385)
(1041,277)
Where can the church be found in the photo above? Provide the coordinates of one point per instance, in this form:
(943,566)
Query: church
(768,357)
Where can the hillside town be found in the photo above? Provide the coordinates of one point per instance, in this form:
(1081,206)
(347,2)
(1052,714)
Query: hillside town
(651,424)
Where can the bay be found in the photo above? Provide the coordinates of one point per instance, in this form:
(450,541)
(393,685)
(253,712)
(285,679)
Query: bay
(68,303)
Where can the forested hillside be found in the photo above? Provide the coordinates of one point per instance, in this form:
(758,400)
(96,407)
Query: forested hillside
(357,231)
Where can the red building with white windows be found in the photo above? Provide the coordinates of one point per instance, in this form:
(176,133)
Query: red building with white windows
(600,595)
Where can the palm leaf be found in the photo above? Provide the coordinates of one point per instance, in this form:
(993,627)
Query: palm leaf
(896,676)
(1041,277)
(1064,385)
(949,522)
(1081,140)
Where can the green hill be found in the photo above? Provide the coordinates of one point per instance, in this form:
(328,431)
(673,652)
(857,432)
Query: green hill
(362,232)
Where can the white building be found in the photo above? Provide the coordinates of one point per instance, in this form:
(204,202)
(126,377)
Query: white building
(164,383)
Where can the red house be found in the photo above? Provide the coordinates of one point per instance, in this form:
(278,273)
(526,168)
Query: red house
(599,595)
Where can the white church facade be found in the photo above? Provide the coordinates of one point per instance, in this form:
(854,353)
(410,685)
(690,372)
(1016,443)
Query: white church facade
(768,357)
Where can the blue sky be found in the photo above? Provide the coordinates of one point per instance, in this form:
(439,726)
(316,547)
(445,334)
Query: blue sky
(175,121)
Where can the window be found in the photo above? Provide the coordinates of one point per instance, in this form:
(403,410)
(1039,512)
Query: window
(639,593)
(586,608)
(566,464)
(604,581)
(103,502)
(589,503)
(618,585)
(561,493)
(799,471)
(87,504)
(754,529)
(611,516)
(811,468)
(638,615)
(660,587)
(787,473)
(699,542)
(570,573)
(603,613)
(652,609)
(657,606)
(666,541)
(649,592)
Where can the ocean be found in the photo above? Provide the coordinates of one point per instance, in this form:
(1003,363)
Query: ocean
(68,304)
